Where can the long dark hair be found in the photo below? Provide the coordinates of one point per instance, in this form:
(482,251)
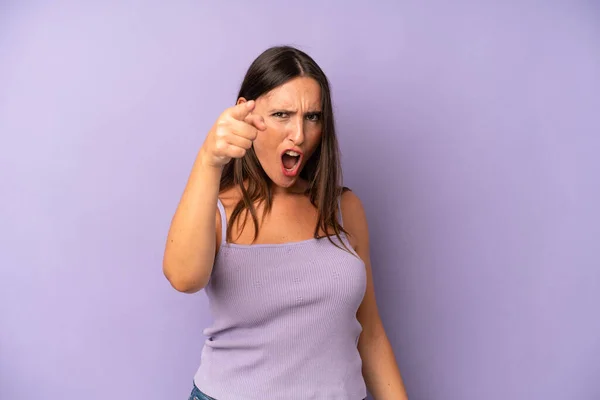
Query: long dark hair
(274,67)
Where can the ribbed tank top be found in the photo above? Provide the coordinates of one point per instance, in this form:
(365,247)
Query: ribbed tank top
(285,325)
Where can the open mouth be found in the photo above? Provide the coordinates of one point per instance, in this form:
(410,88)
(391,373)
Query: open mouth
(291,161)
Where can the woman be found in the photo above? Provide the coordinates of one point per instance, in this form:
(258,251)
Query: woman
(281,249)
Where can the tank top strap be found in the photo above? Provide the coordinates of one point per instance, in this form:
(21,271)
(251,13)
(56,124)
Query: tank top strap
(341,220)
(223,220)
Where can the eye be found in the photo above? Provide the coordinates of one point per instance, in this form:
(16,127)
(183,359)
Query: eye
(314,117)
(280,114)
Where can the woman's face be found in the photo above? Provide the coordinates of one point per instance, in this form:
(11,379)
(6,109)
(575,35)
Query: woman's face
(292,114)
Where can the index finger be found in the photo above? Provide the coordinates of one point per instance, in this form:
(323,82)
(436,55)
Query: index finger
(241,111)
(256,120)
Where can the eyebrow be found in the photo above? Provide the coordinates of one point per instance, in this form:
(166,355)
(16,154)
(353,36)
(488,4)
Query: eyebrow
(274,110)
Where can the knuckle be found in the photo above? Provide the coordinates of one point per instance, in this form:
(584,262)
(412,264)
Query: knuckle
(222,131)
(220,145)
(222,122)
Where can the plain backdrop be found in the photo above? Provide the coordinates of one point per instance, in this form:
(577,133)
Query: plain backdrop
(470,130)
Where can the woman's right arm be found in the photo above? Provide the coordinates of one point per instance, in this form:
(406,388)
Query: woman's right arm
(191,242)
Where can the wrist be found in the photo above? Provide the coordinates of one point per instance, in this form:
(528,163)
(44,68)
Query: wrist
(204,162)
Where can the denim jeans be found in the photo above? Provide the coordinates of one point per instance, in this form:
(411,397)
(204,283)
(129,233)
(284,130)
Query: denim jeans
(198,395)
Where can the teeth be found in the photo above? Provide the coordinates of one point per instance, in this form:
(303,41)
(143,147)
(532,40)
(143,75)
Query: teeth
(292,153)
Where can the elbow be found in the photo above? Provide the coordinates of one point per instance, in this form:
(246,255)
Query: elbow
(184,283)
(185,286)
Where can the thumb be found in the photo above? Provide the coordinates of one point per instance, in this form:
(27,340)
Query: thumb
(241,111)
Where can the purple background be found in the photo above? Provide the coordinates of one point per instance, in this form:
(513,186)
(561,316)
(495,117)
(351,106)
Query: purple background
(469,129)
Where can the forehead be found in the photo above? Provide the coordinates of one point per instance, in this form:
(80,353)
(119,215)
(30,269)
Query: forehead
(300,91)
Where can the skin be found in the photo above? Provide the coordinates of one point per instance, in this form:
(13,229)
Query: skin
(380,368)
(291,113)
(287,117)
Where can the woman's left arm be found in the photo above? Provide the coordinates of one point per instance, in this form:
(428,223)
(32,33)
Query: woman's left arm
(380,370)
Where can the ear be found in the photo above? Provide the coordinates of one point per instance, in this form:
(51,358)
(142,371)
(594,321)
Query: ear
(240,101)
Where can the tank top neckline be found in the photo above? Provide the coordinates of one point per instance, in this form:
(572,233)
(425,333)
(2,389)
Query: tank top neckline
(224,242)
(286,244)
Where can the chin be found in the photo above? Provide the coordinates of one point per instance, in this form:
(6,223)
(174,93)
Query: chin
(284,180)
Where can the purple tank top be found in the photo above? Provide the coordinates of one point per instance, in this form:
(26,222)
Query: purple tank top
(285,323)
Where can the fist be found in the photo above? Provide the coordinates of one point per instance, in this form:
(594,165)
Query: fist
(232,135)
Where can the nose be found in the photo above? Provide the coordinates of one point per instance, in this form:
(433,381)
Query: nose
(297,133)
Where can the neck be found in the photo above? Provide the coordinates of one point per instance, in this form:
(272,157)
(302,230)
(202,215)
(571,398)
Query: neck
(300,187)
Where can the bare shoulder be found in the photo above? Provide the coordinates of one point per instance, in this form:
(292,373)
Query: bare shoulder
(355,219)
